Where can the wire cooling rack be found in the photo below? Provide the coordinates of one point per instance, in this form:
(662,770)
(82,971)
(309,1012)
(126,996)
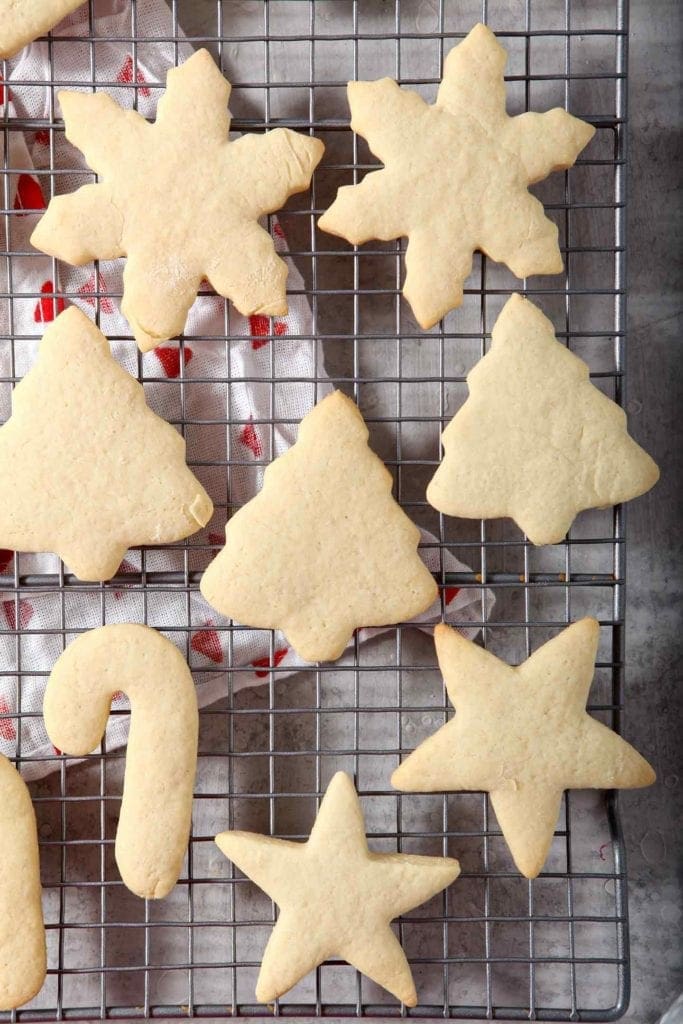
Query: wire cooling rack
(495,945)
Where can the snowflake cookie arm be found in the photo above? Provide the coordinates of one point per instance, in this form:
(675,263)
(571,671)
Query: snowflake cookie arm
(157,295)
(196,100)
(250,272)
(80,227)
(526,240)
(546,142)
(473,84)
(104,132)
(436,268)
(372,209)
(85,225)
(273,167)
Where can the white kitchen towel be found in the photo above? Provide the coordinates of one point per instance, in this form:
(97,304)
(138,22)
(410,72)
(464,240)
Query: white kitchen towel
(182,383)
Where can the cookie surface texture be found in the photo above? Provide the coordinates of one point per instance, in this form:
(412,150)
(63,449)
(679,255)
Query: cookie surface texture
(22,935)
(456,176)
(336,897)
(536,440)
(178,199)
(523,735)
(22,21)
(323,548)
(88,468)
(161,760)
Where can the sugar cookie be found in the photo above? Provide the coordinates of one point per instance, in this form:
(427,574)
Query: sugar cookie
(456,176)
(22,21)
(178,199)
(536,440)
(336,897)
(22,935)
(161,760)
(87,468)
(323,548)
(523,735)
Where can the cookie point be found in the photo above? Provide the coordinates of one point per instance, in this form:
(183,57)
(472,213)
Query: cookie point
(587,625)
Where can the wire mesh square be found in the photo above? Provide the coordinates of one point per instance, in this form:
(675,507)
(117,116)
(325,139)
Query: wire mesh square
(494,945)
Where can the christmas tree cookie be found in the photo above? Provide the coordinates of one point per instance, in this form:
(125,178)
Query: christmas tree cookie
(535,440)
(456,176)
(178,199)
(22,21)
(323,548)
(87,468)
(336,897)
(523,735)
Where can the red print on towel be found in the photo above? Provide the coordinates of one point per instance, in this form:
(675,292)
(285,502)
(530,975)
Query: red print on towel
(25,613)
(29,194)
(449,593)
(125,75)
(264,663)
(7,730)
(259,327)
(207,642)
(2,92)
(170,359)
(250,439)
(48,308)
(42,137)
(88,290)
(5,558)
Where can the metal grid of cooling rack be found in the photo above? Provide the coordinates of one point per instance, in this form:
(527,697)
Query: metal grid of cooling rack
(494,946)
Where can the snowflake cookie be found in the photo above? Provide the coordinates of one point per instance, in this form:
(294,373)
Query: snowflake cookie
(456,176)
(179,199)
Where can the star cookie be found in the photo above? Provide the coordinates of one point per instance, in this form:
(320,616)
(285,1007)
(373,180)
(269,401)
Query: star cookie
(88,469)
(178,199)
(523,735)
(323,548)
(536,440)
(456,176)
(336,897)
(22,22)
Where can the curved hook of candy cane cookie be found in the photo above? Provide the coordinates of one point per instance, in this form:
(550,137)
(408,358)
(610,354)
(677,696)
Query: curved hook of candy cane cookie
(156,809)
(22,935)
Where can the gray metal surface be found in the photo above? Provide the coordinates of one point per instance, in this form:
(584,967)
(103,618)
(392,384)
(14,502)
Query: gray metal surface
(495,945)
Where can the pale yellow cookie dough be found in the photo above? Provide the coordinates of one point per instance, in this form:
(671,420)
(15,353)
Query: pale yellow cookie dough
(88,469)
(161,760)
(523,735)
(456,176)
(536,440)
(178,199)
(324,548)
(336,897)
(22,21)
(22,935)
